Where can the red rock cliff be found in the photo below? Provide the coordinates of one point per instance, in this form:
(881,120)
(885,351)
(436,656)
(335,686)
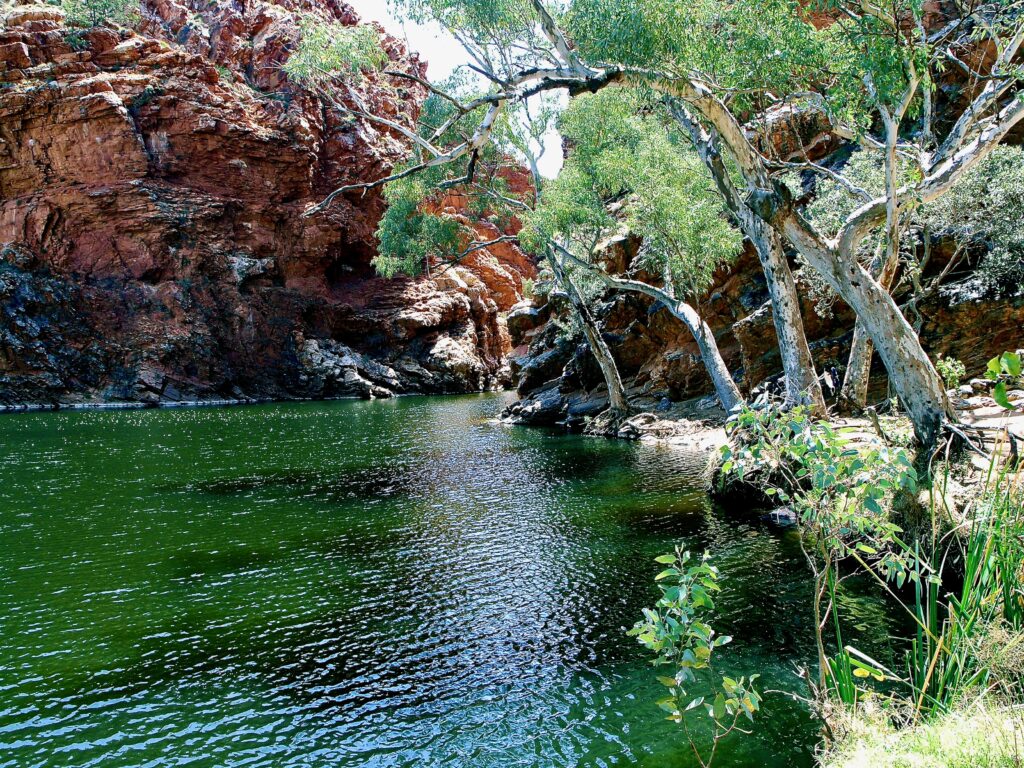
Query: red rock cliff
(151,190)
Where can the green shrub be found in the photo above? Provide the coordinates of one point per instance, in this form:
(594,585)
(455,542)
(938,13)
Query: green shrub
(967,602)
(951,370)
(327,50)
(93,13)
(676,630)
(837,493)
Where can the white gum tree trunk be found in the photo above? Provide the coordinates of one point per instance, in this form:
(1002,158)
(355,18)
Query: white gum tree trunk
(617,401)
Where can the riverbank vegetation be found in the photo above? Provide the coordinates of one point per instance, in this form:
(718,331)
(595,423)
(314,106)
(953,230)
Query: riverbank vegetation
(950,569)
(871,71)
(667,112)
(953,570)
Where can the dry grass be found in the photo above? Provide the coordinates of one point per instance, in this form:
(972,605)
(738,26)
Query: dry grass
(983,734)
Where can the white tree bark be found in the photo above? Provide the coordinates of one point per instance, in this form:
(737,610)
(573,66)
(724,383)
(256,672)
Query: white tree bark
(617,401)
(981,127)
(911,372)
(862,349)
(725,386)
(802,384)
(801,378)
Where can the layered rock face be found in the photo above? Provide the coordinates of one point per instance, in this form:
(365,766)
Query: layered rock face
(660,362)
(152,186)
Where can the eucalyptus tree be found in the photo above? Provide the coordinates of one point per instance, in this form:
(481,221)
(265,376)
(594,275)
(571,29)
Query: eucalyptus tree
(979,218)
(726,62)
(799,374)
(900,63)
(672,46)
(626,174)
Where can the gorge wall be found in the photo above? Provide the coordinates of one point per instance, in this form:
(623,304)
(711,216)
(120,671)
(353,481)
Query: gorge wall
(152,243)
(659,360)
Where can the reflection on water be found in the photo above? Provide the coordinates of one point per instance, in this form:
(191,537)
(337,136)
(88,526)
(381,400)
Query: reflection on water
(381,584)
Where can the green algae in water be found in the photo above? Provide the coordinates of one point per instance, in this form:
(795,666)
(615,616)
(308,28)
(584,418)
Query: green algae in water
(400,583)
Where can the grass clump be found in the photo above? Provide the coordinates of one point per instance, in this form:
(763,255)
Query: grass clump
(984,734)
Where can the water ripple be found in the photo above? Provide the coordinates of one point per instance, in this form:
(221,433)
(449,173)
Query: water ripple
(358,584)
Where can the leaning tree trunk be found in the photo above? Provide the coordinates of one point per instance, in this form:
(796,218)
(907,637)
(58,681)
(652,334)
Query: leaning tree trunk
(602,354)
(802,384)
(911,372)
(725,387)
(858,368)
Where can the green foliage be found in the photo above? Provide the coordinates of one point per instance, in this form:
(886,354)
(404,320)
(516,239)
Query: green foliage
(951,370)
(410,236)
(327,50)
(1005,370)
(839,494)
(481,18)
(986,207)
(414,231)
(76,41)
(833,202)
(628,169)
(92,13)
(836,489)
(749,45)
(871,58)
(980,212)
(678,634)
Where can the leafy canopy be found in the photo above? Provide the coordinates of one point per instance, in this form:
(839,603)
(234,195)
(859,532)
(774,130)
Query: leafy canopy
(328,49)
(628,169)
(416,230)
(986,206)
(92,13)
(981,212)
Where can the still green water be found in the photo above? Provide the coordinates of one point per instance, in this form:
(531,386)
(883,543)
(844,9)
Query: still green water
(400,583)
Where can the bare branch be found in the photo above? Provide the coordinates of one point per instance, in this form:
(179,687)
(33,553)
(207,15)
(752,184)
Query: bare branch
(429,86)
(363,112)
(556,38)
(364,188)
(841,180)
(483,245)
(470,173)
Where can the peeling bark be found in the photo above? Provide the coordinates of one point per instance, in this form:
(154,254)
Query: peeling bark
(725,386)
(862,349)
